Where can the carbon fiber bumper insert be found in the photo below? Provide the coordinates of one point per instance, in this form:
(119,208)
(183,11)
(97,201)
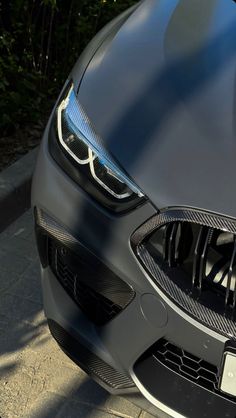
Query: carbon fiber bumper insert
(87,360)
(99,293)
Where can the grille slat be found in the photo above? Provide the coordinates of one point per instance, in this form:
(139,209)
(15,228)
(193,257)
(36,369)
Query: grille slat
(210,259)
(166,238)
(200,258)
(197,258)
(172,245)
(229,280)
(203,259)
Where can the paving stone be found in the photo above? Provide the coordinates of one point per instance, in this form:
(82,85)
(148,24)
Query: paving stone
(77,410)
(22,227)
(19,246)
(3,320)
(8,279)
(146,415)
(4,325)
(47,405)
(28,285)
(91,393)
(12,263)
(13,306)
(18,335)
(53,405)
(14,394)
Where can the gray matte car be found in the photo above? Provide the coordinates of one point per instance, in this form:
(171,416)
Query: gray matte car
(135,210)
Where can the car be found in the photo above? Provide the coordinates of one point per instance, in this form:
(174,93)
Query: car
(135,213)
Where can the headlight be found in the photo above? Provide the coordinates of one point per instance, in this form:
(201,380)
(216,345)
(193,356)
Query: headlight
(85,148)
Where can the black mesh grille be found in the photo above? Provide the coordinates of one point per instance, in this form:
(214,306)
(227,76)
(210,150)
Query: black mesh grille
(183,363)
(100,297)
(185,382)
(187,365)
(192,256)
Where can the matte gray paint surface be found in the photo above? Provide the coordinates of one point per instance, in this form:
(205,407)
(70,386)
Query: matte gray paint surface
(162,96)
(121,337)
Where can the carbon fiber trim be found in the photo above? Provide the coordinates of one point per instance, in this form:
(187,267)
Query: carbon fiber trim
(53,228)
(96,289)
(191,306)
(87,360)
(188,215)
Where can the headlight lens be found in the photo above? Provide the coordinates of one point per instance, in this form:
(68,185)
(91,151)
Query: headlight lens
(78,138)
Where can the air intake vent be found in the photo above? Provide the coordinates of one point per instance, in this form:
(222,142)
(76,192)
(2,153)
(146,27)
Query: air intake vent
(100,296)
(96,289)
(192,256)
(187,365)
(184,364)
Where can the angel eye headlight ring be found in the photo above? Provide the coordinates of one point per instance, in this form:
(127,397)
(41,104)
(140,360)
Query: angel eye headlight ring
(78,138)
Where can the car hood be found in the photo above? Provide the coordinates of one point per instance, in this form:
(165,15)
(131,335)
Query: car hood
(162,96)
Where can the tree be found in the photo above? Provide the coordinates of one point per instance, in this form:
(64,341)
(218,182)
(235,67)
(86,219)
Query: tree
(39,43)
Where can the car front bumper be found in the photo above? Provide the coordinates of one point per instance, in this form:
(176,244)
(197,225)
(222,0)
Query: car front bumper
(117,347)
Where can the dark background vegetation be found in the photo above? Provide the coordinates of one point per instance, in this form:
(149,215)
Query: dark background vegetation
(40,40)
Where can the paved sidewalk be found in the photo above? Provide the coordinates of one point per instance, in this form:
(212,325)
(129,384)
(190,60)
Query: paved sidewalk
(36,379)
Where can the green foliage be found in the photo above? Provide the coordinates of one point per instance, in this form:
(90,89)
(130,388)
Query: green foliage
(39,43)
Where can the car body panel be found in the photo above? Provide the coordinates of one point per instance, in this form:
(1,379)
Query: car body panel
(161,95)
(159,88)
(122,341)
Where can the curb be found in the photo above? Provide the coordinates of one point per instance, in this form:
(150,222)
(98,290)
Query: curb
(15,185)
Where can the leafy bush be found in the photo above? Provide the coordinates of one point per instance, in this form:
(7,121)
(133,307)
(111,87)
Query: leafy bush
(39,43)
